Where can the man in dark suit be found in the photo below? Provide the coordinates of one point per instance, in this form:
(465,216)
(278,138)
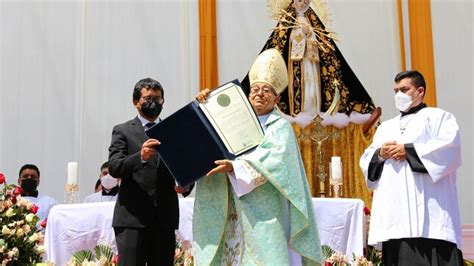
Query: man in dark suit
(146,212)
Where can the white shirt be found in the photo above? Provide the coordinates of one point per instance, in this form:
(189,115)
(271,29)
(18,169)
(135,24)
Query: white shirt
(98,197)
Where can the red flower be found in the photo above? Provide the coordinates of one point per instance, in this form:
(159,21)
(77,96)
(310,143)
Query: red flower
(8,194)
(2,178)
(14,199)
(367,210)
(115,259)
(327,263)
(17,191)
(34,209)
(44,223)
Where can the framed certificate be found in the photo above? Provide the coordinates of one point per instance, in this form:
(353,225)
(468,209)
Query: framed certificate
(231,115)
(196,135)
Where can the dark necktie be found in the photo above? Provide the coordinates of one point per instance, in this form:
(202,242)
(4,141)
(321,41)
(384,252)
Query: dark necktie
(149,125)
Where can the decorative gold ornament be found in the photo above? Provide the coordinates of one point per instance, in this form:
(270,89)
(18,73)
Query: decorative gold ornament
(321,8)
(71,193)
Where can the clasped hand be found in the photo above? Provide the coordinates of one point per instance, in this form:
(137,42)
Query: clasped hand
(393,150)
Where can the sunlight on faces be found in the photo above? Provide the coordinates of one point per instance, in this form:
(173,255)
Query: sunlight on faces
(263,98)
(406,86)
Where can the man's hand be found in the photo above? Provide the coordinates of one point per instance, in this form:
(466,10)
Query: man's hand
(397,152)
(223,166)
(384,150)
(149,149)
(202,95)
(392,150)
(180,189)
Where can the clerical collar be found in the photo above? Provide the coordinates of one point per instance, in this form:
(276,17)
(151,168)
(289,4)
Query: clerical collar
(33,194)
(414,109)
(112,192)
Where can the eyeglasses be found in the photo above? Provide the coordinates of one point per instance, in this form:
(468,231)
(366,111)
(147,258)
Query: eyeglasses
(264,90)
(157,99)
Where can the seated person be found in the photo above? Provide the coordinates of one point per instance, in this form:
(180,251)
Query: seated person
(109,187)
(29,180)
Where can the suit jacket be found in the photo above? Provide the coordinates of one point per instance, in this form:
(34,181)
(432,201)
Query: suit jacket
(147,189)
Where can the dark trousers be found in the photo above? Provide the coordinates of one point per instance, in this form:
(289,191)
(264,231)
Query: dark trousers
(145,246)
(420,251)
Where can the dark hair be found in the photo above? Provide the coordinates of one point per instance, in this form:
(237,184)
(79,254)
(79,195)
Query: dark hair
(104,165)
(29,166)
(97,184)
(416,78)
(147,83)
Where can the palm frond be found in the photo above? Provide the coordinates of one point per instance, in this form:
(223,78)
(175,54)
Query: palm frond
(327,251)
(103,251)
(81,256)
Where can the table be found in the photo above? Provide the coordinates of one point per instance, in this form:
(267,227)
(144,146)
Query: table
(72,227)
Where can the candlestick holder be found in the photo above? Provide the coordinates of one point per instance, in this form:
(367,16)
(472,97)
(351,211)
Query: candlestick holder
(71,193)
(336,189)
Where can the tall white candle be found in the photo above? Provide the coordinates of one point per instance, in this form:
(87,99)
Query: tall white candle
(72,173)
(336,168)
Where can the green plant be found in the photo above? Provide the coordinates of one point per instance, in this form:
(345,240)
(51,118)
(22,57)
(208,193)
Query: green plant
(103,255)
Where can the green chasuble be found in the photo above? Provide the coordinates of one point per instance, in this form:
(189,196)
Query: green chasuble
(283,201)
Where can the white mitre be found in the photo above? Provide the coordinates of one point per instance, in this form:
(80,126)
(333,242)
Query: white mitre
(270,67)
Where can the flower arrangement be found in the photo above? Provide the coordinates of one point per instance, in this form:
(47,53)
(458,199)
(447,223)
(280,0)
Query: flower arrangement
(183,252)
(103,256)
(334,258)
(20,241)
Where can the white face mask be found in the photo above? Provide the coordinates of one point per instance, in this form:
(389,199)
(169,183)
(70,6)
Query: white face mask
(108,182)
(402,101)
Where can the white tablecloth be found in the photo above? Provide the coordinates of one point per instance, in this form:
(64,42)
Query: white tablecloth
(81,226)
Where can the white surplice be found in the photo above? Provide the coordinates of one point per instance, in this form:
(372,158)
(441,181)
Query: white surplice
(98,197)
(408,204)
(44,203)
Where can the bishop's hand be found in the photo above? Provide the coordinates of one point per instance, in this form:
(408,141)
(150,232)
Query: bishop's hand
(223,166)
(203,95)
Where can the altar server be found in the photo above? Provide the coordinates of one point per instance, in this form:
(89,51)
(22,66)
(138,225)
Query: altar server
(411,165)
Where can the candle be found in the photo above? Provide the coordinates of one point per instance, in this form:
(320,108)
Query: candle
(336,168)
(72,173)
